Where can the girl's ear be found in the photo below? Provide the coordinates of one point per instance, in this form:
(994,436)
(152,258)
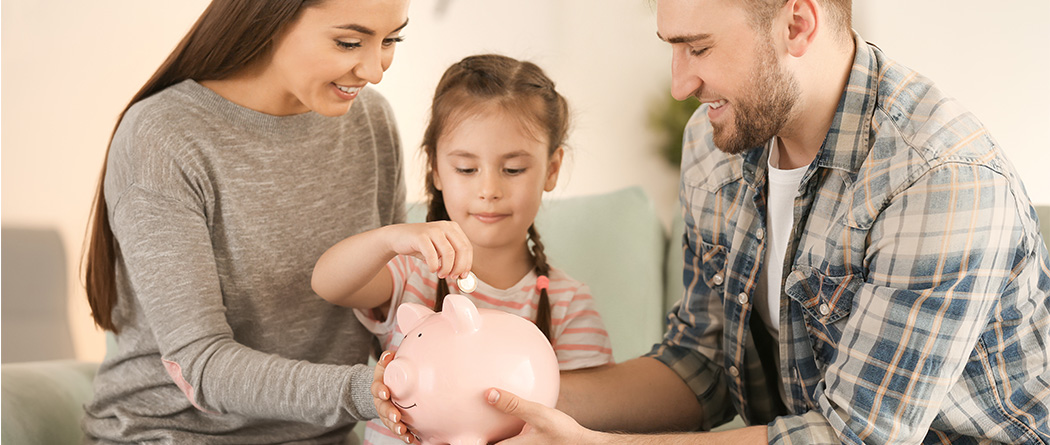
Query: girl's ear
(437,178)
(553,167)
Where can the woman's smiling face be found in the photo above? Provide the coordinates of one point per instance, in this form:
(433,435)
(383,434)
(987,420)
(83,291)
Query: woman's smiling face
(330,52)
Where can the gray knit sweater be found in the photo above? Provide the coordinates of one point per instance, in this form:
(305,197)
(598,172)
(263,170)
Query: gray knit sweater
(219,213)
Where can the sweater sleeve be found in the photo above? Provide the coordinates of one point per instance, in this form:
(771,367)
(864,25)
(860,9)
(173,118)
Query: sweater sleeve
(166,252)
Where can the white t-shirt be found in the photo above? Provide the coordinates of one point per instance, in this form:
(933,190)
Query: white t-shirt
(783,189)
(577,333)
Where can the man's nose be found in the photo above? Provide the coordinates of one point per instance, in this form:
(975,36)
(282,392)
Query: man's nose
(685,82)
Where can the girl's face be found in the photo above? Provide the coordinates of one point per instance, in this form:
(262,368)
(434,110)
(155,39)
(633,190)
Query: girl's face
(492,173)
(331,51)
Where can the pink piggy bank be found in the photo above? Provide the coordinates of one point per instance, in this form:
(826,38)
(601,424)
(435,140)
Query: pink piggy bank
(449,359)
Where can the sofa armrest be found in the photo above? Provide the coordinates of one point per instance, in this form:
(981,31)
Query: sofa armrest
(43,402)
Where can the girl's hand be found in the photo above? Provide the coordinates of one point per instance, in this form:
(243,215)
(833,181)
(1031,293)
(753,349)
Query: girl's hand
(543,425)
(441,244)
(388,413)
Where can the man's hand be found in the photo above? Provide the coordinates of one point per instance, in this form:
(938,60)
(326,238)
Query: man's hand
(388,413)
(543,425)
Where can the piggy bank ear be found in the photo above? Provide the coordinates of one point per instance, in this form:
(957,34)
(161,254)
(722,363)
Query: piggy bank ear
(409,315)
(462,313)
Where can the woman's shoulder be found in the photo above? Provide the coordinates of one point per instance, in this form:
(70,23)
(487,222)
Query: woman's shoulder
(170,111)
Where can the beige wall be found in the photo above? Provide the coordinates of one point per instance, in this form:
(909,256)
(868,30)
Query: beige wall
(68,68)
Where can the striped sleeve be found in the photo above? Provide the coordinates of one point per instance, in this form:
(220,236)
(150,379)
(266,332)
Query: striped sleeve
(579,336)
(385,329)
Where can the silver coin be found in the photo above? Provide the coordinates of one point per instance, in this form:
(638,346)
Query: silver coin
(468,284)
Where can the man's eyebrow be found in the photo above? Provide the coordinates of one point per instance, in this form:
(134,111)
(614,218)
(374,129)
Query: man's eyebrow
(368,31)
(685,39)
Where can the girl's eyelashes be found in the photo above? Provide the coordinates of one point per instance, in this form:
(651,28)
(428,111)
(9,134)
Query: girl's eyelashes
(514,171)
(465,171)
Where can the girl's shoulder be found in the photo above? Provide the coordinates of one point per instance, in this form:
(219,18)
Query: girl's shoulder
(561,280)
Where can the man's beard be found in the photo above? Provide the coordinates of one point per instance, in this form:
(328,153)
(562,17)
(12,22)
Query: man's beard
(763,112)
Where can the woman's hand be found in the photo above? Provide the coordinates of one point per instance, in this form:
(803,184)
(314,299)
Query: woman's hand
(543,425)
(441,244)
(388,413)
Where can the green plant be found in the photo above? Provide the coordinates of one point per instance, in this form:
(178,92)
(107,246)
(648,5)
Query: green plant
(667,117)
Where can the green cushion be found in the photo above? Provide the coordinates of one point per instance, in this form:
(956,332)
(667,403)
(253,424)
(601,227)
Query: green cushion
(43,402)
(674,289)
(614,243)
(1044,222)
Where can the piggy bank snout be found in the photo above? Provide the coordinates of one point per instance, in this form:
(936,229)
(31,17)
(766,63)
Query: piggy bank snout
(400,377)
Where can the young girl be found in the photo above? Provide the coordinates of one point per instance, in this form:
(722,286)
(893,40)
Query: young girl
(493,146)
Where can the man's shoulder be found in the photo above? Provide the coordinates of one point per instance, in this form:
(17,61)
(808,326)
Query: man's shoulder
(913,113)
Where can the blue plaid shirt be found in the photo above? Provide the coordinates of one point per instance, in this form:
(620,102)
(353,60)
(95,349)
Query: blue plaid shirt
(915,296)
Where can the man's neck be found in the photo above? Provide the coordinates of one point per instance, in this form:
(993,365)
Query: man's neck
(801,139)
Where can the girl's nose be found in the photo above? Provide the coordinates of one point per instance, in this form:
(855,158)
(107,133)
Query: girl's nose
(491,186)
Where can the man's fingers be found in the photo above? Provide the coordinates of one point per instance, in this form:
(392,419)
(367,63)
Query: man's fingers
(511,404)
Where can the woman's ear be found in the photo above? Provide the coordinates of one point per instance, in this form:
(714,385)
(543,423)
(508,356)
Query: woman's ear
(553,167)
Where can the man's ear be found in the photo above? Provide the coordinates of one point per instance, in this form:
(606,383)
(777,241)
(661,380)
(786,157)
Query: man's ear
(553,168)
(804,18)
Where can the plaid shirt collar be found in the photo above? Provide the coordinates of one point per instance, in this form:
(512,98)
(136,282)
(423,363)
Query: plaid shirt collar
(846,143)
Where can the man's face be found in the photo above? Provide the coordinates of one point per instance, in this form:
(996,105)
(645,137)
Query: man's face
(721,59)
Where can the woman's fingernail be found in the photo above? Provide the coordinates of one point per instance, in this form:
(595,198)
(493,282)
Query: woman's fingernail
(399,429)
(393,417)
(406,439)
(386,355)
(493,396)
(382,394)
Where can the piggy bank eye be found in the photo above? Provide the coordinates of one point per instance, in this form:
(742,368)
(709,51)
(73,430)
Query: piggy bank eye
(420,335)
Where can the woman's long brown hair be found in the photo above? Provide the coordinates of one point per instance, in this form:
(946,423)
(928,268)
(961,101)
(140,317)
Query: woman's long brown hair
(515,86)
(229,36)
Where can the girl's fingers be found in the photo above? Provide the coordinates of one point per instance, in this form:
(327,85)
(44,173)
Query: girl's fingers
(430,255)
(464,253)
(447,254)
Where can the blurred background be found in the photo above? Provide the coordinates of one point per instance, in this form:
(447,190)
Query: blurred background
(68,67)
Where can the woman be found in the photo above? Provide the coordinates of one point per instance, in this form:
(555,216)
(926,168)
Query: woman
(253,148)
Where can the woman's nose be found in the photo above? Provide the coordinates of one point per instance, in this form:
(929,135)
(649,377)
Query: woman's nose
(370,67)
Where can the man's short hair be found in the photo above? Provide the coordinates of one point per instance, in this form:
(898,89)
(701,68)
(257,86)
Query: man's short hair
(840,14)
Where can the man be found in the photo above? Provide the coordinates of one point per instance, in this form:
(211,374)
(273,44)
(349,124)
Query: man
(862,263)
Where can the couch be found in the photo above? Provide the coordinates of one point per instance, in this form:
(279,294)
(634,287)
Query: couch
(614,242)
